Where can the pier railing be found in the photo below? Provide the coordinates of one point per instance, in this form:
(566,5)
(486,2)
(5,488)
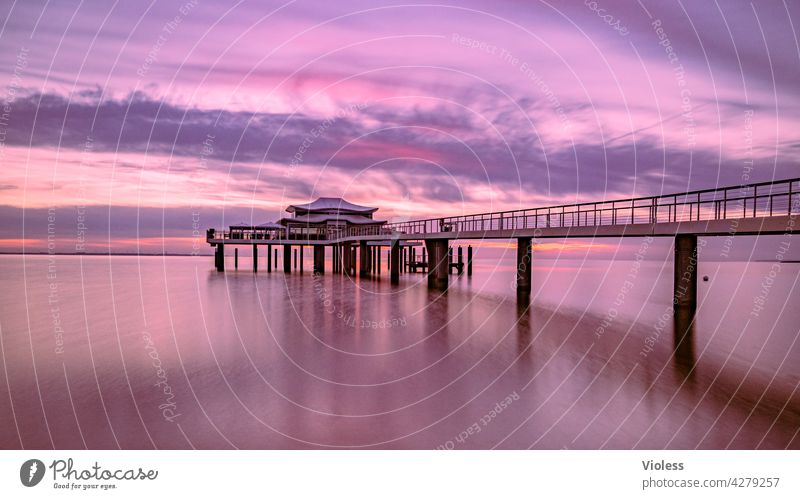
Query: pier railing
(781,197)
(294,234)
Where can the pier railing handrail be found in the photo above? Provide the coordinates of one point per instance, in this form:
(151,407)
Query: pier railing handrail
(691,205)
(738,201)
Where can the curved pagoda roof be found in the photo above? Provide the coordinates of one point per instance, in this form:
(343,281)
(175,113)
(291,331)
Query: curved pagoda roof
(330,205)
(318,218)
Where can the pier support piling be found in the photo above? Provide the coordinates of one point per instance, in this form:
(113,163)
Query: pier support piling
(276,259)
(394,262)
(469,260)
(450,260)
(255,258)
(524,265)
(319,259)
(685,282)
(301,259)
(287,258)
(437,263)
(236,258)
(348,260)
(363,254)
(219,258)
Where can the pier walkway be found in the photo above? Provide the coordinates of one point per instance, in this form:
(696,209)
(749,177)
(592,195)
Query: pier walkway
(753,209)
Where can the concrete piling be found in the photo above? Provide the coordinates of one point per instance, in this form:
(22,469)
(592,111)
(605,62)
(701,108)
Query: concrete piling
(394,262)
(685,281)
(363,263)
(437,263)
(319,259)
(524,265)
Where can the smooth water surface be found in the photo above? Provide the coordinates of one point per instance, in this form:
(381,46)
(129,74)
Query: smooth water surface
(164,352)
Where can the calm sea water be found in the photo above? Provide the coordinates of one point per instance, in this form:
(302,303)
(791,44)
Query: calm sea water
(164,352)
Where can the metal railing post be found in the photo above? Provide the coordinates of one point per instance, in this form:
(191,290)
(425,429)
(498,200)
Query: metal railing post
(725,204)
(755,200)
(698,206)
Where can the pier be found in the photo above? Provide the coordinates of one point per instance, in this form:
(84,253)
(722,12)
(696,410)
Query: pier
(355,239)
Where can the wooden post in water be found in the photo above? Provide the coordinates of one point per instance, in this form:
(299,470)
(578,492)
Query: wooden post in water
(269,258)
(378,259)
(460,261)
(255,258)
(287,258)
(295,258)
(236,258)
(276,259)
(469,260)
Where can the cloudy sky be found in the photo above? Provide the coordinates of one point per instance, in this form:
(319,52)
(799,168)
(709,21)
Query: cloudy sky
(149,119)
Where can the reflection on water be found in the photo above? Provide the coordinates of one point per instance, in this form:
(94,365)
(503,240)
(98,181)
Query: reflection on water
(164,352)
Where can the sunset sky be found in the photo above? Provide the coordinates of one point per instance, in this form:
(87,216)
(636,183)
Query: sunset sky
(149,119)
